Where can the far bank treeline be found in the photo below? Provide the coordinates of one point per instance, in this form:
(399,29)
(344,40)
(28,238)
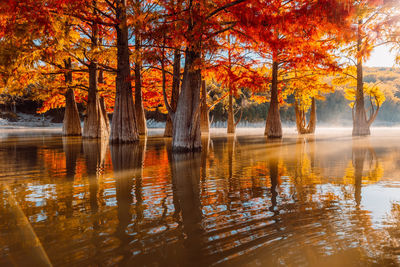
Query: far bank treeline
(183,57)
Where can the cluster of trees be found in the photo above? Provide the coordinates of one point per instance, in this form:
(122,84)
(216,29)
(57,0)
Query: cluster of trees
(125,56)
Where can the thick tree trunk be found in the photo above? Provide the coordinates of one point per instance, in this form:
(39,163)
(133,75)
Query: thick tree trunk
(139,110)
(123,128)
(301,119)
(96,123)
(231,115)
(71,122)
(176,80)
(273,126)
(186,122)
(204,114)
(360,123)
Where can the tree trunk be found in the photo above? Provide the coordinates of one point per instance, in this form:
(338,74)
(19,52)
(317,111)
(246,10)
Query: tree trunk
(204,114)
(186,122)
(313,117)
(231,115)
(273,126)
(176,80)
(301,119)
(71,122)
(360,123)
(139,110)
(123,128)
(96,123)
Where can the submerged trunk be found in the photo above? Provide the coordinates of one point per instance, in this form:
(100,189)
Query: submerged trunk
(360,123)
(273,126)
(175,91)
(186,121)
(71,122)
(96,123)
(204,114)
(123,128)
(301,119)
(139,110)
(231,116)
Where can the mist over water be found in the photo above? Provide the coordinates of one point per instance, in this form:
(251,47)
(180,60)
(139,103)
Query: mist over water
(324,199)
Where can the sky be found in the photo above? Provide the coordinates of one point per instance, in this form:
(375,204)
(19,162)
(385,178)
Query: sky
(381,57)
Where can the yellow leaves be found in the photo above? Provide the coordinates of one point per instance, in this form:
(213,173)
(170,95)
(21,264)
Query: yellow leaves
(376,95)
(306,84)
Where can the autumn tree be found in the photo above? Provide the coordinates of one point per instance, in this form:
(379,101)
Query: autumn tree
(234,70)
(293,35)
(199,22)
(368,18)
(307,86)
(44,27)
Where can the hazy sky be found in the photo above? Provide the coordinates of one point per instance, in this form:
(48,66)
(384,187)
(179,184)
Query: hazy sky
(381,57)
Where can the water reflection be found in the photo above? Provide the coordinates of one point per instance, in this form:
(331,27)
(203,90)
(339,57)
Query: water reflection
(242,200)
(185,170)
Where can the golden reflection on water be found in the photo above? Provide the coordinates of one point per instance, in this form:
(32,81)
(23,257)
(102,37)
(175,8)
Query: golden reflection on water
(302,201)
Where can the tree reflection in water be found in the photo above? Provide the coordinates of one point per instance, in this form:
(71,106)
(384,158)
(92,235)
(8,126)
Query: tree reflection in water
(240,201)
(185,169)
(127,162)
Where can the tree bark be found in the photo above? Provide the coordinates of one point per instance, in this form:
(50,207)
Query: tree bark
(186,122)
(231,115)
(123,128)
(139,110)
(301,118)
(96,123)
(312,124)
(71,122)
(204,119)
(176,80)
(360,123)
(273,126)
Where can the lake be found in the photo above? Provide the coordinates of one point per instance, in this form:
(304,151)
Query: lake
(318,200)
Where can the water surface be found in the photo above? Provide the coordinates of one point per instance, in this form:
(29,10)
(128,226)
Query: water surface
(328,199)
